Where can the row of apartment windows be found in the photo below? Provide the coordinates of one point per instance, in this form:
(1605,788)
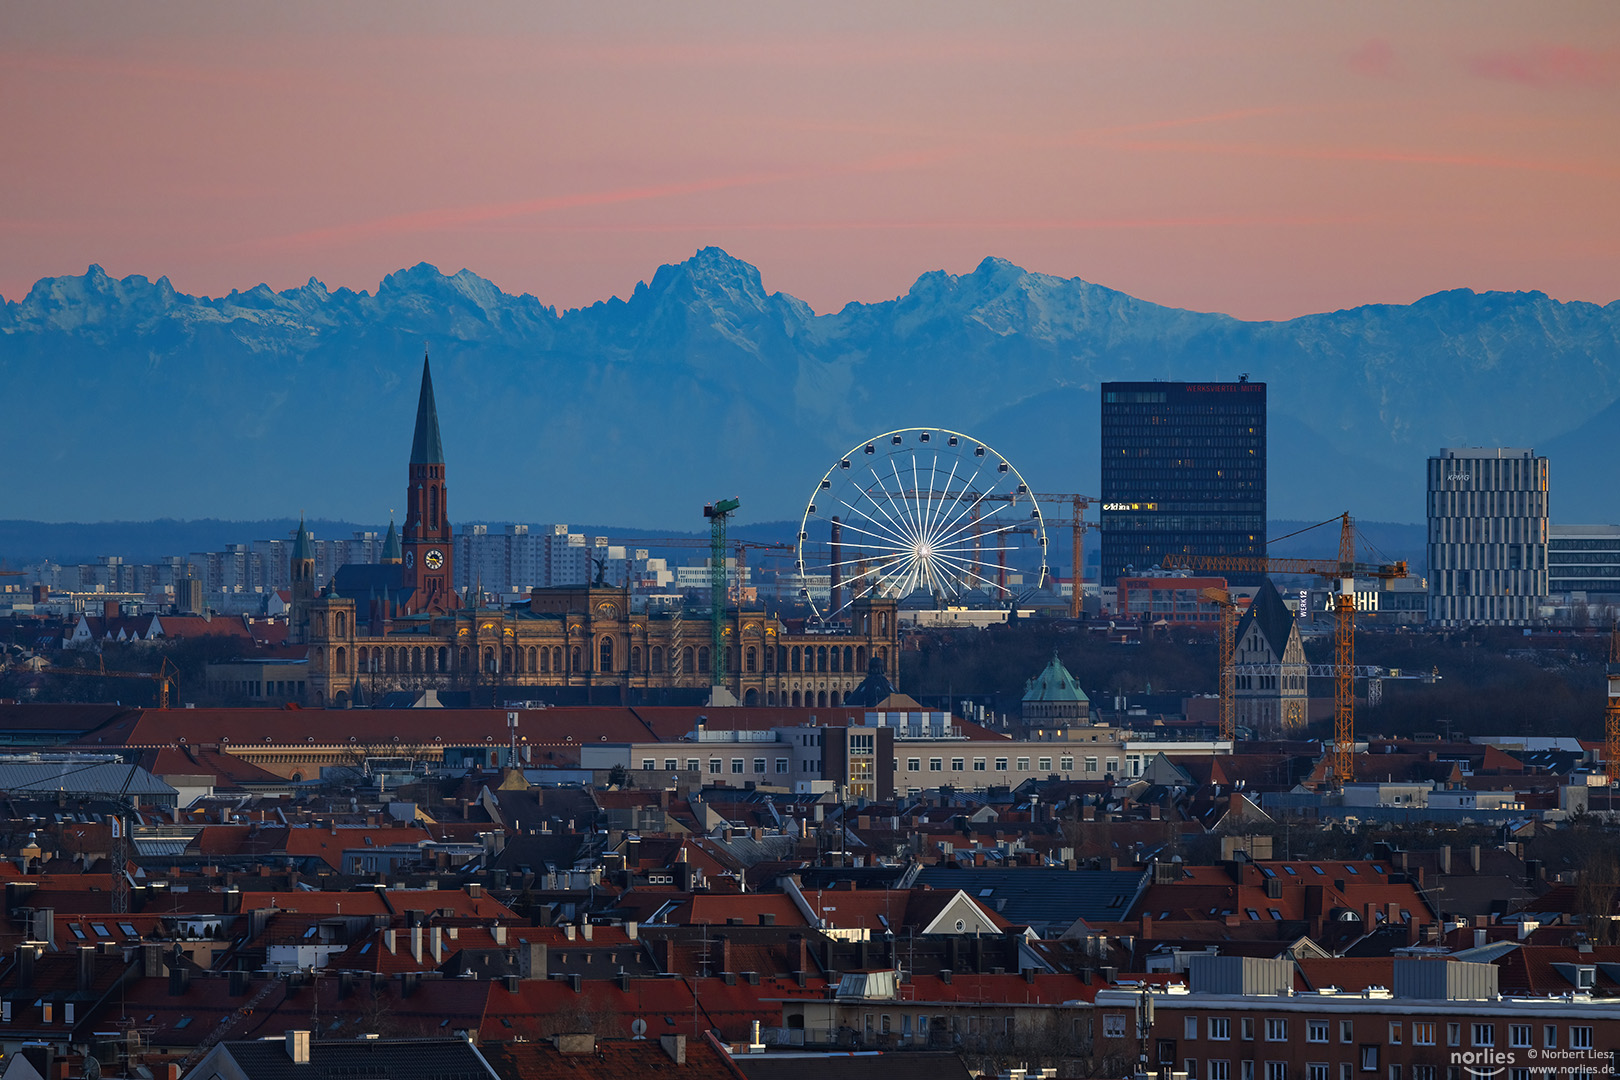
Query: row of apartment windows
(716,765)
(1065,764)
(1218,1069)
(1421,1032)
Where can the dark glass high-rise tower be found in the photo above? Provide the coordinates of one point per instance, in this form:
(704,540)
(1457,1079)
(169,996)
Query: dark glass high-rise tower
(1183,472)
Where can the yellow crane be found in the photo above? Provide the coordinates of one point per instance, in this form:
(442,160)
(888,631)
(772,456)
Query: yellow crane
(1611,718)
(164,676)
(1341,573)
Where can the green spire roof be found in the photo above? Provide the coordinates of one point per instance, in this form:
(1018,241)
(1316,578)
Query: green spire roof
(391,552)
(426,449)
(303,545)
(1054,684)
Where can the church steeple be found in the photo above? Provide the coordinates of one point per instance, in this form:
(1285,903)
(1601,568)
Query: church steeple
(391,551)
(425,546)
(303,582)
(426,449)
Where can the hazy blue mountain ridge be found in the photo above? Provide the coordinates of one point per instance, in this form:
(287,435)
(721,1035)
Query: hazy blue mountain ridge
(702,384)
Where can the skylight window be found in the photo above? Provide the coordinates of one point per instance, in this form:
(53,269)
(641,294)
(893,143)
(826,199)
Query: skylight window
(184,1021)
(100,929)
(1290,871)
(1352,869)
(1276,915)
(78,931)
(1319,870)
(129,929)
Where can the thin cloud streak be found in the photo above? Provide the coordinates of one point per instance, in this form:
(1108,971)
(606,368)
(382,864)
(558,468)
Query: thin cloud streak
(1218,221)
(1394,157)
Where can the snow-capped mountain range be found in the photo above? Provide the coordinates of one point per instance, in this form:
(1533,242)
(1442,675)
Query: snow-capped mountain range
(128,399)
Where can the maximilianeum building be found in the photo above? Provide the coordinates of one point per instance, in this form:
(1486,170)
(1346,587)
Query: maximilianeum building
(1183,473)
(1487,514)
(399,625)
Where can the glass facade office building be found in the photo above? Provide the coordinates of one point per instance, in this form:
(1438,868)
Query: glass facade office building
(1487,536)
(1183,472)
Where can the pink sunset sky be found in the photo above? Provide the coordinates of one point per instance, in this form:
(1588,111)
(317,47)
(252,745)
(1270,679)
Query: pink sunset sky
(1265,160)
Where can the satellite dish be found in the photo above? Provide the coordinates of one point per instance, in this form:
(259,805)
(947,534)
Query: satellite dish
(638,1027)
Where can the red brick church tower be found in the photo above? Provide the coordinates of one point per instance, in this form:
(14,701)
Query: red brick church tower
(428,552)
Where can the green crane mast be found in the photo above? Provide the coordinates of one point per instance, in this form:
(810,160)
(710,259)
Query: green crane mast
(718,513)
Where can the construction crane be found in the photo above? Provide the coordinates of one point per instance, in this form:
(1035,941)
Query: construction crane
(164,676)
(118,850)
(1077,524)
(1611,719)
(1341,573)
(1223,600)
(718,514)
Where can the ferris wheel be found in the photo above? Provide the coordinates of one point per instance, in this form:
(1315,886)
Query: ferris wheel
(920,512)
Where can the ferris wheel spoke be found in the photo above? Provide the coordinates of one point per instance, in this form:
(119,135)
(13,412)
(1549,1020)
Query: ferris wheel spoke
(957,501)
(974,522)
(904,506)
(882,490)
(925,512)
(967,569)
(893,529)
(878,570)
(935,518)
(886,535)
(968,512)
(889,533)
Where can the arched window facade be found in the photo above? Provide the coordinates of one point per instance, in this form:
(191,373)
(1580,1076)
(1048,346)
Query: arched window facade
(506,658)
(533,655)
(574,659)
(657,660)
(821,700)
(686,660)
(464,659)
(489,659)
(635,659)
(849,658)
(444,658)
(703,659)
(834,658)
(770,658)
(751,660)
(340,663)
(821,658)
(796,701)
(795,659)
(604,653)
(342,624)
(416,660)
(556,659)
(860,658)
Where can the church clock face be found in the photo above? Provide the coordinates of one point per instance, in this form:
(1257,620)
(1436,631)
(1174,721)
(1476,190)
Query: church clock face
(410,559)
(433,559)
